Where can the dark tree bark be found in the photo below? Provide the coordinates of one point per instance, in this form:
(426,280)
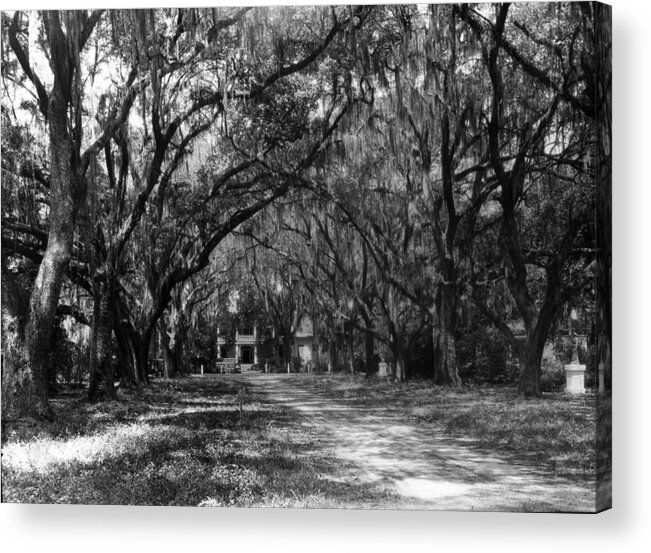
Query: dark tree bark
(127,344)
(398,338)
(287,347)
(47,287)
(61,108)
(446,297)
(531,352)
(445,326)
(349,344)
(333,357)
(144,346)
(399,357)
(125,353)
(173,336)
(369,346)
(590,100)
(101,381)
(537,321)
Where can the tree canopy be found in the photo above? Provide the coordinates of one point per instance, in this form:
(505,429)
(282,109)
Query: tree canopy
(422,182)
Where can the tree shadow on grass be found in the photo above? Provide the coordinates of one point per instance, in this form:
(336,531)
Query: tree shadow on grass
(196,453)
(224,442)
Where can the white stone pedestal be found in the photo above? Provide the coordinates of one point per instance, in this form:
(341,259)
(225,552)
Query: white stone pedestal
(575,378)
(383,369)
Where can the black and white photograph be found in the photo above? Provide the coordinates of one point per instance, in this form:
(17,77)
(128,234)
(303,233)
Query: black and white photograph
(308,257)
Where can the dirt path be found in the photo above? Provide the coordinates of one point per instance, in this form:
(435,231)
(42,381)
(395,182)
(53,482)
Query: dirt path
(429,470)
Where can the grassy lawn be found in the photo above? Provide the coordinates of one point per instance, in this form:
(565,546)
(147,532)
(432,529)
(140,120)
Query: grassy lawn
(558,431)
(209,441)
(188,442)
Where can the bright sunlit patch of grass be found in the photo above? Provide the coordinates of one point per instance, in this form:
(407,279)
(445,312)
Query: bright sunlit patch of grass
(43,454)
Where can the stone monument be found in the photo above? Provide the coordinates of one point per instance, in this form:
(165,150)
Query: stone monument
(575,375)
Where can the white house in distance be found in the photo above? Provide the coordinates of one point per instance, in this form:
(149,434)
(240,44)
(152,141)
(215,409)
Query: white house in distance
(252,347)
(246,349)
(304,341)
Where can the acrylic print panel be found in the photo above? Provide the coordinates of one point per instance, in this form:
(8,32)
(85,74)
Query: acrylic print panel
(308,257)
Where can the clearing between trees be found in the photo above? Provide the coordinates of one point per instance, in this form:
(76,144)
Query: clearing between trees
(317,441)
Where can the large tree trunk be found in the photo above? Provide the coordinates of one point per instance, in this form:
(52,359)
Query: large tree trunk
(370,364)
(531,351)
(126,362)
(172,342)
(316,346)
(445,357)
(287,348)
(350,346)
(530,359)
(334,355)
(369,353)
(126,340)
(398,341)
(101,382)
(47,287)
(445,327)
(66,192)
